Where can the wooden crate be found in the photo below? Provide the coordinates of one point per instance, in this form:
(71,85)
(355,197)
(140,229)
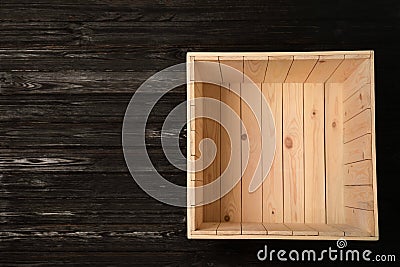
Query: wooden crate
(322,183)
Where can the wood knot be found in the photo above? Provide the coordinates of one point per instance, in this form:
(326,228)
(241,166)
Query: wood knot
(334,124)
(227,218)
(244,136)
(288,142)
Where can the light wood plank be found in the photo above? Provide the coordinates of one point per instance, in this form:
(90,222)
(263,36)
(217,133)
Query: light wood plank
(300,69)
(359,196)
(301,229)
(334,153)
(204,71)
(273,183)
(229,75)
(324,68)
(253,229)
(278,68)
(326,229)
(358,173)
(349,54)
(209,228)
(345,69)
(229,228)
(277,229)
(373,148)
(211,129)
(358,149)
(351,230)
(198,210)
(363,219)
(360,77)
(314,153)
(357,126)
(358,102)
(293,153)
(251,201)
(255,69)
(231,154)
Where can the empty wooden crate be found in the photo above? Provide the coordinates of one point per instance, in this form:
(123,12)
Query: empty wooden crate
(322,181)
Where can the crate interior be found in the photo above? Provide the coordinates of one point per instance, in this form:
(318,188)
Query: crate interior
(322,180)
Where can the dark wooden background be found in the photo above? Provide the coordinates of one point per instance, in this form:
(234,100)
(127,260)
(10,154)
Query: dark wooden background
(67,72)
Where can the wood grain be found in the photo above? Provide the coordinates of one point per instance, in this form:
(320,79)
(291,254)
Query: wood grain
(358,173)
(314,153)
(251,201)
(273,183)
(211,129)
(357,150)
(360,196)
(231,203)
(334,153)
(293,161)
(358,102)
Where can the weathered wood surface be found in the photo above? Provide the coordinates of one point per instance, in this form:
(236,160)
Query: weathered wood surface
(67,73)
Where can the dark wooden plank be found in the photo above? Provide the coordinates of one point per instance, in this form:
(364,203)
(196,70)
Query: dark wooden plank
(72,82)
(99,160)
(70,135)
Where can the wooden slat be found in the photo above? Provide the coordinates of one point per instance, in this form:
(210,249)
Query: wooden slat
(357,126)
(228,75)
(360,77)
(314,149)
(231,154)
(255,69)
(324,68)
(358,102)
(351,230)
(198,92)
(251,201)
(357,150)
(211,129)
(229,228)
(326,229)
(198,210)
(373,145)
(363,219)
(293,153)
(301,229)
(207,72)
(253,229)
(345,69)
(273,183)
(300,69)
(334,153)
(277,229)
(209,228)
(278,68)
(358,173)
(359,196)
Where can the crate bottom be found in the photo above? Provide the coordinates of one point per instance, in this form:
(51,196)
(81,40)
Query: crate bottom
(231,230)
